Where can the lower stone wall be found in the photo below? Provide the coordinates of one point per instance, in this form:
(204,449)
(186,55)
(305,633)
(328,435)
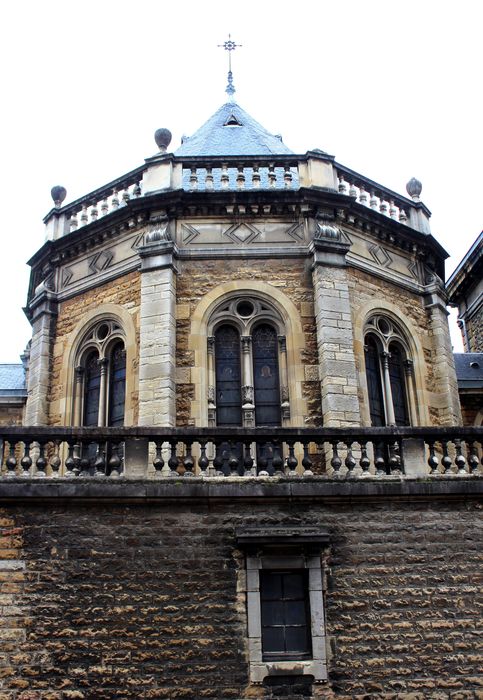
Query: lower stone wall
(103,601)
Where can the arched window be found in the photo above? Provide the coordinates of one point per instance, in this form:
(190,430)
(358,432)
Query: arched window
(100,390)
(389,372)
(247,365)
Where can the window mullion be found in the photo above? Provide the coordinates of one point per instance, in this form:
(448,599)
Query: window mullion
(104,366)
(390,417)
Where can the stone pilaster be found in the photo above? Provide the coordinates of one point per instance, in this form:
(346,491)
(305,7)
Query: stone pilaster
(443,360)
(43,313)
(157,388)
(335,342)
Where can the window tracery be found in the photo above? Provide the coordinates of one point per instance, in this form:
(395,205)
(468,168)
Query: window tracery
(100,376)
(247,364)
(389,373)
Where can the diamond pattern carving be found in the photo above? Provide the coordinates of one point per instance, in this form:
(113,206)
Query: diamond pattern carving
(380,255)
(242,233)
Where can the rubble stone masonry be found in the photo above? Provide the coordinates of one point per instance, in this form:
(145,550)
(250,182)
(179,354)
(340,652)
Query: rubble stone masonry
(104,601)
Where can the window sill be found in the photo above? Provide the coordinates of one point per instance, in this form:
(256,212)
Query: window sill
(311,667)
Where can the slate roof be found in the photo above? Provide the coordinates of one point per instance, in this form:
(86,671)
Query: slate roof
(469,369)
(217,138)
(12,380)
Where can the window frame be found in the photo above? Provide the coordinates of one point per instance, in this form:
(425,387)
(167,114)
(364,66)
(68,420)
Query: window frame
(288,550)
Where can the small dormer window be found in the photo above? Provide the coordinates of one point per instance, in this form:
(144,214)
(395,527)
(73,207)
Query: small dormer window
(232,121)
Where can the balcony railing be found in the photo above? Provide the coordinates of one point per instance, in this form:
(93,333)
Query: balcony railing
(27,452)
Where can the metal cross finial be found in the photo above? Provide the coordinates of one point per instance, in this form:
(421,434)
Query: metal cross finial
(229,46)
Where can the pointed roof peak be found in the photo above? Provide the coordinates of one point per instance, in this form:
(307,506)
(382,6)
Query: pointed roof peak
(232,132)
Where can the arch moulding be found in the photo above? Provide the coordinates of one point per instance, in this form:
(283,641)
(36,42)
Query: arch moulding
(293,332)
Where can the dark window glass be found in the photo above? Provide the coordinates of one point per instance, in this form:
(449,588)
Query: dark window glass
(117,385)
(92,384)
(228,376)
(266,376)
(285,613)
(374,382)
(398,384)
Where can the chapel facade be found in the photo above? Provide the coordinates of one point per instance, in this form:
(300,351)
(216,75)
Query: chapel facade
(242,469)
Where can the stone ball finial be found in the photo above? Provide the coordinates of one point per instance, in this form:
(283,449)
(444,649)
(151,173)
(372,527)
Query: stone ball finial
(163,139)
(413,188)
(58,194)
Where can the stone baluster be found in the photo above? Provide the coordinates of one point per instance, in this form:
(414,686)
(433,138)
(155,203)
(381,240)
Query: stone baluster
(84,218)
(158,461)
(379,460)
(55,461)
(73,223)
(94,212)
(100,462)
(11,461)
(383,206)
(352,190)
(240,177)
(342,185)
(364,461)
(248,459)
(193,178)
(287,177)
(188,461)
(272,175)
(125,195)
(306,461)
(336,461)
(209,181)
(203,461)
(41,461)
(373,202)
(460,460)
(224,178)
(104,207)
(69,464)
(137,190)
(173,461)
(362,195)
(256,177)
(433,461)
(392,209)
(26,461)
(473,461)
(115,199)
(115,461)
(350,462)
(446,460)
(403,217)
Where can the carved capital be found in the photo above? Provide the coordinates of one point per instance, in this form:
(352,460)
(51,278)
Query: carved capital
(246,341)
(284,394)
(247,394)
(211,395)
(79,373)
(210,341)
(282,343)
(409,367)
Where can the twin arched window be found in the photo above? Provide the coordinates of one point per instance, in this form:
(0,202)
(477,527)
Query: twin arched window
(389,372)
(100,387)
(247,366)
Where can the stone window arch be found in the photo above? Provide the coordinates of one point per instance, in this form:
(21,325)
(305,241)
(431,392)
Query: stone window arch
(247,364)
(389,372)
(100,376)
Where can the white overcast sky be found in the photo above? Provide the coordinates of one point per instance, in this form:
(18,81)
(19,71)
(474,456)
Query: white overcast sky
(392,89)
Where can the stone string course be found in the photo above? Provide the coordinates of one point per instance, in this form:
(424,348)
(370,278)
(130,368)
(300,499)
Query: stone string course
(103,601)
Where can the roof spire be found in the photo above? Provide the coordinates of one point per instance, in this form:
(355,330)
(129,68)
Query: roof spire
(229,46)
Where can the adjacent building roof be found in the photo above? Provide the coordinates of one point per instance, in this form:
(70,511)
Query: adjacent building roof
(468,273)
(469,369)
(232,132)
(12,380)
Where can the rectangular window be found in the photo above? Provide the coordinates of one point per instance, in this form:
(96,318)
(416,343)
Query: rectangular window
(285,615)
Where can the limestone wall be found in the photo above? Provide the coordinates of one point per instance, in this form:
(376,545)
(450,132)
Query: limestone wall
(11,414)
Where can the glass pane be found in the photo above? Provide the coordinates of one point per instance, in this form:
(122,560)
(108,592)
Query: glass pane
(296,639)
(271,584)
(117,385)
(374,383)
(272,612)
(398,387)
(273,639)
(295,612)
(294,585)
(228,376)
(92,385)
(266,375)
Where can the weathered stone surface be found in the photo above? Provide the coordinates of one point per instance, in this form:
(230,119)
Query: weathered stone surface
(141,601)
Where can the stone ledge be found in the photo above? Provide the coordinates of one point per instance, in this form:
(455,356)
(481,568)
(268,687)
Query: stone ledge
(243,489)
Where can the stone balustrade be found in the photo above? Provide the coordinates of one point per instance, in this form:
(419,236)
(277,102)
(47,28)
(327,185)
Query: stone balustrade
(374,196)
(28,452)
(256,173)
